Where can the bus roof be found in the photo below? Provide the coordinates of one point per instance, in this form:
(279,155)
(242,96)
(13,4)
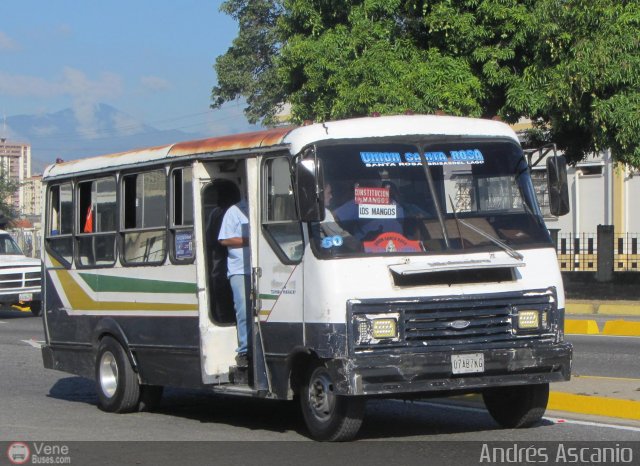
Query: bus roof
(294,138)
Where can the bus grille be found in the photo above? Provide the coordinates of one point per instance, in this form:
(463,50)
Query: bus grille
(438,326)
(454,321)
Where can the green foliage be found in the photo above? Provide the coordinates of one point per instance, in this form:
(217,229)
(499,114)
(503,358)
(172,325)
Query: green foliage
(573,66)
(247,68)
(583,83)
(7,189)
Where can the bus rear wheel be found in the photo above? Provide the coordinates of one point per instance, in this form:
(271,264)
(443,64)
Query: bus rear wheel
(517,406)
(116,381)
(329,417)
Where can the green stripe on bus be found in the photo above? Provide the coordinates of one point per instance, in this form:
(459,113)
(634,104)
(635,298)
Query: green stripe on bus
(107,283)
(268,296)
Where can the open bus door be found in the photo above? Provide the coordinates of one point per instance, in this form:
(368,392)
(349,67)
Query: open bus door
(216,188)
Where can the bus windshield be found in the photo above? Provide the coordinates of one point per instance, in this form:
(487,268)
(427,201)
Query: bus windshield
(474,195)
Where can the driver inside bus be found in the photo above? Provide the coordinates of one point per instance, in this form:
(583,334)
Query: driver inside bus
(367,228)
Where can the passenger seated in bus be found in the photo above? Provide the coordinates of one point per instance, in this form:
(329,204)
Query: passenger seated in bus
(234,234)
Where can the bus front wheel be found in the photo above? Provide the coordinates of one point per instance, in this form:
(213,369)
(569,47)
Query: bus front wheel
(517,406)
(117,383)
(329,417)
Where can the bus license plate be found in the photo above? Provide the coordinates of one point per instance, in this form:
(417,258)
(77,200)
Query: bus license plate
(467,363)
(25,297)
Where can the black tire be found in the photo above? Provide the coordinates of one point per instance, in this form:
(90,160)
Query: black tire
(116,381)
(150,397)
(36,308)
(329,417)
(517,406)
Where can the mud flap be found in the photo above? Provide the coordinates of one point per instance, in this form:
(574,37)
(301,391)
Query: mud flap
(260,371)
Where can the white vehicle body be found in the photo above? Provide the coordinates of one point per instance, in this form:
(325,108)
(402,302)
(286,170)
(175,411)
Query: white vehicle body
(434,274)
(19,276)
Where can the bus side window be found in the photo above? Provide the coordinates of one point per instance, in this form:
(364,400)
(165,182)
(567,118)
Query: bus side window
(96,237)
(279,214)
(181,225)
(59,232)
(144,217)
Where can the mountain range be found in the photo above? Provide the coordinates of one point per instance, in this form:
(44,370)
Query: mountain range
(101,130)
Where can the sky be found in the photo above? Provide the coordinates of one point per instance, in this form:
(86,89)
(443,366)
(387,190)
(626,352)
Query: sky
(151,59)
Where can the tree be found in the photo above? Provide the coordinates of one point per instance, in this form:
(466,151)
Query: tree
(7,189)
(570,65)
(247,68)
(582,87)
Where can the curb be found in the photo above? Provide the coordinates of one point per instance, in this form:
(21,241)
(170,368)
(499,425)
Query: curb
(581,327)
(596,405)
(622,328)
(616,328)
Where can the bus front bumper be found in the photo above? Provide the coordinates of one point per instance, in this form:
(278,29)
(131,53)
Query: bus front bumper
(412,373)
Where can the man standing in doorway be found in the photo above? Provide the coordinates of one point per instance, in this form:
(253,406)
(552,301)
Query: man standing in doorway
(234,234)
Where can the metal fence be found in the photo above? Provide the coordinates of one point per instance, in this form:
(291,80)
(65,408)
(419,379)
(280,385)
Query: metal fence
(579,252)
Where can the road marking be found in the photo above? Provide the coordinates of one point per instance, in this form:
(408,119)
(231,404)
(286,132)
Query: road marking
(2,322)
(603,377)
(34,343)
(592,424)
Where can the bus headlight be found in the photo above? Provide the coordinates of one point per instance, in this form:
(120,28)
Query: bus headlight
(528,319)
(374,328)
(384,328)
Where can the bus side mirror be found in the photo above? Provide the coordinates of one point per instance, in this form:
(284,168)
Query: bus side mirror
(309,189)
(558,187)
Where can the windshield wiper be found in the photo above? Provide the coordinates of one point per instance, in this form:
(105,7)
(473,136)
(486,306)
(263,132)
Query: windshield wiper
(506,248)
(455,216)
(434,196)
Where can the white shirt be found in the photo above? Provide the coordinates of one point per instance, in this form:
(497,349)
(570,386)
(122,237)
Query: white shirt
(235,224)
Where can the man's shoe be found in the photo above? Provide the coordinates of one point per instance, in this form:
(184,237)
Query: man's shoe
(242,360)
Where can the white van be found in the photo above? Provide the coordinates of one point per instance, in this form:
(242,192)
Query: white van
(19,276)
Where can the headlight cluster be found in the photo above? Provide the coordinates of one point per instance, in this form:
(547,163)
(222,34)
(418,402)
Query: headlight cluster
(531,319)
(376,328)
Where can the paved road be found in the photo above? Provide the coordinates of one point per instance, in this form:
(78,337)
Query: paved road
(606,356)
(44,404)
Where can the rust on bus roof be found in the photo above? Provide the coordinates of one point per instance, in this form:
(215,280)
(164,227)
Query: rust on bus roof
(232,142)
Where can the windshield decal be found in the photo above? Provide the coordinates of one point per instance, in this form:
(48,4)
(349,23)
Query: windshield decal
(412,159)
(392,242)
(377,211)
(332,241)
(372,195)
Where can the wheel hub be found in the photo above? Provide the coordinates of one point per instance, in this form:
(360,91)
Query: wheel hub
(108,374)
(321,396)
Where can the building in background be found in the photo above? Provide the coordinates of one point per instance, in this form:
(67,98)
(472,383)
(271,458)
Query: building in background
(15,164)
(32,198)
